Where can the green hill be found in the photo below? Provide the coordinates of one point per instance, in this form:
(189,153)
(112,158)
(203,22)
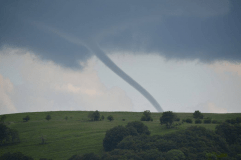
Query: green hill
(78,135)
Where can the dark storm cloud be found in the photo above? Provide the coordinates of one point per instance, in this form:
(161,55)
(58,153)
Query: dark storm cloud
(185,29)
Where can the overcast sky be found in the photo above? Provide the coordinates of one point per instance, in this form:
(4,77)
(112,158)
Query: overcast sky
(185,53)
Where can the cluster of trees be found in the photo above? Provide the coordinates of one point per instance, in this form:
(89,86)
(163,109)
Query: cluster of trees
(134,142)
(118,133)
(95,116)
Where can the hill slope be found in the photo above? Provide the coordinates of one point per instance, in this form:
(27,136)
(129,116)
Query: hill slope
(78,135)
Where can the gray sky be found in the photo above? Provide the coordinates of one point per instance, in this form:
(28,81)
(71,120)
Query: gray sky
(186,54)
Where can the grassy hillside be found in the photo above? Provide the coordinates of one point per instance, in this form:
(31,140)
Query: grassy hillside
(78,135)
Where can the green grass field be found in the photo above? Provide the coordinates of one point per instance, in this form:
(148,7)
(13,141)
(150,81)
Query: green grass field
(78,135)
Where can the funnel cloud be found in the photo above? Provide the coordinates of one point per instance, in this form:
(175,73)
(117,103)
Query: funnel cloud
(95,49)
(109,63)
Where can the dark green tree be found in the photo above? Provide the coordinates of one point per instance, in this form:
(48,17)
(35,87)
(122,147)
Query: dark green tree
(197,115)
(94,116)
(146,116)
(110,118)
(167,118)
(102,117)
(48,117)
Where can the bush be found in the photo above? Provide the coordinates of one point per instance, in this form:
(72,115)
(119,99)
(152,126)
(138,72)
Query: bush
(238,119)
(198,121)
(102,117)
(66,118)
(215,122)
(123,119)
(94,116)
(48,117)
(146,116)
(110,118)
(207,121)
(189,120)
(177,119)
(26,119)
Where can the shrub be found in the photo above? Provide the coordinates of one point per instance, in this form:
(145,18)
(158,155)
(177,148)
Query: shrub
(233,121)
(102,117)
(26,119)
(66,118)
(198,121)
(215,122)
(238,119)
(177,119)
(123,119)
(227,121)
(189,120)
(207,121)
(48,117)
(94,116)
(110,118)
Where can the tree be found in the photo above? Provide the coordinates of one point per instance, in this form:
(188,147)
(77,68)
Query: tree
(3,117)
(94,116)
(146,116)
(167,118)
(110,118)
(26,119)
(113,137)
(197,115)
(102,117)
(48,117)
